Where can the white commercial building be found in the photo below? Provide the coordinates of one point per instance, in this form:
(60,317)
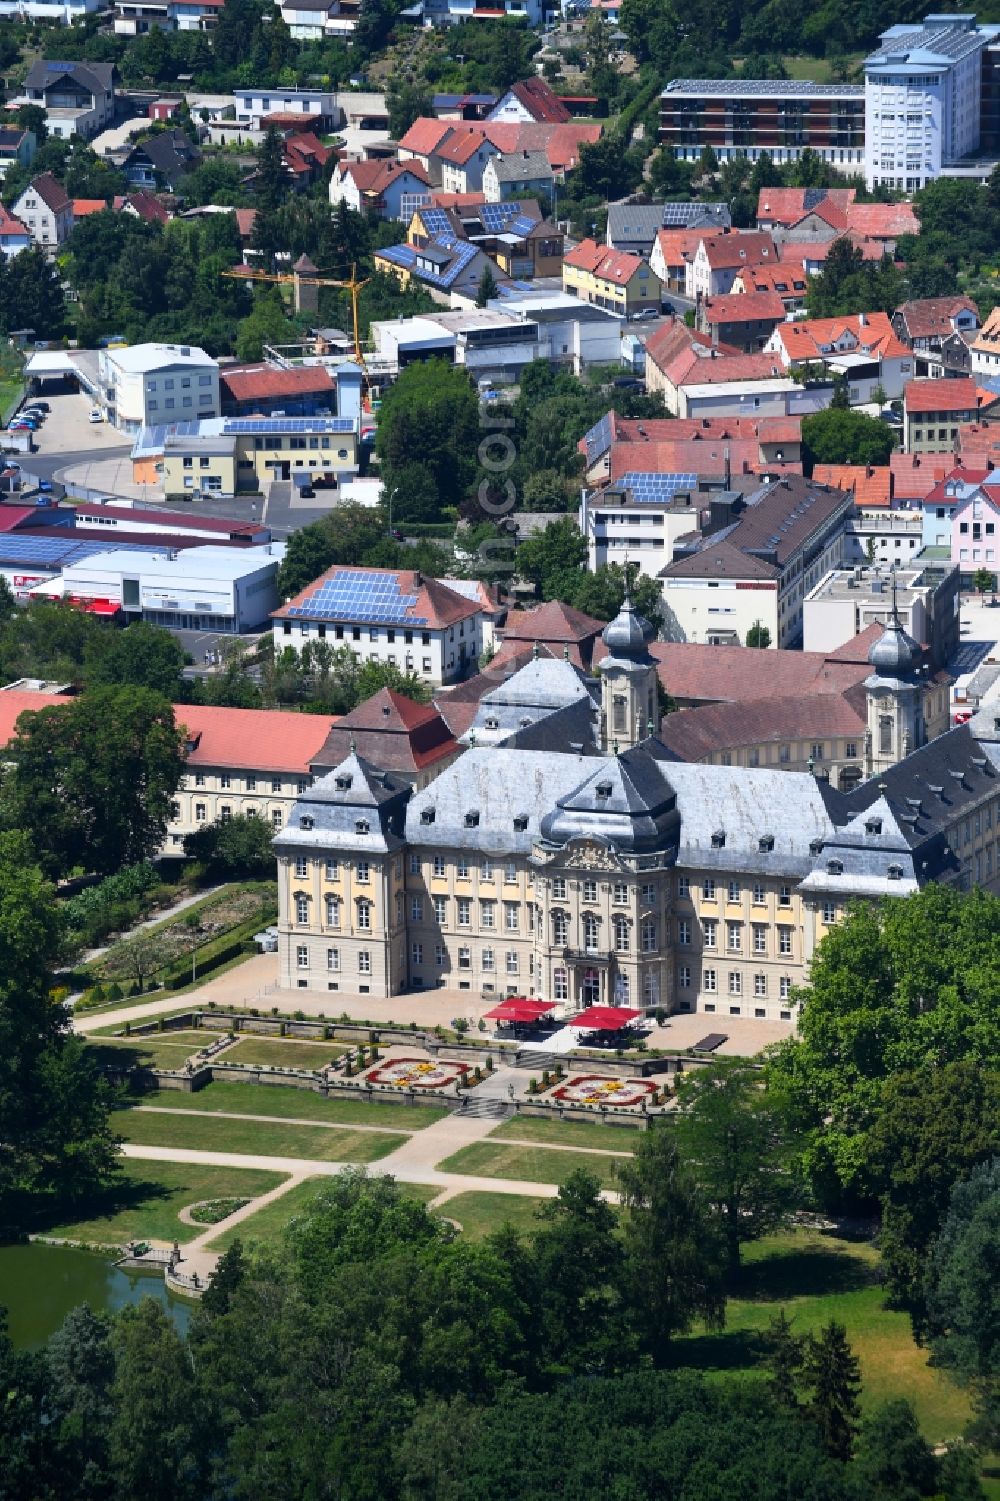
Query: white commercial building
(150,385)
(224,589)
(923,100)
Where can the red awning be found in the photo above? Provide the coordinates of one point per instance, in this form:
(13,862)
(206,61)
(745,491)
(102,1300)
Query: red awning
(519,1009)
(100,606)
(604,1018)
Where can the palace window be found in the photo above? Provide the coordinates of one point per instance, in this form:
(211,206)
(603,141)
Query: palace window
(591,933)
(560,985)
(332,912)
(302,957)
(301,910)
(364,915)
(621,935)
(487,914)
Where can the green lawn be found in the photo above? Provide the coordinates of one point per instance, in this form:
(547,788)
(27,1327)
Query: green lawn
(258,1138)
(589,1136)
(816,69)
(286,1102)
(816,1277)
(144,1205)
(479,1214)
(158,1050)
(283,1052)
(495,1159)
(268,1225)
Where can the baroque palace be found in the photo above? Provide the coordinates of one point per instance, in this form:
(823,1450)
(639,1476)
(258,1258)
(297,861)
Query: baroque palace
(568,854)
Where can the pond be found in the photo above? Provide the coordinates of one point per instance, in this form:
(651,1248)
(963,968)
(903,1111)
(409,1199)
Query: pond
(39,1285)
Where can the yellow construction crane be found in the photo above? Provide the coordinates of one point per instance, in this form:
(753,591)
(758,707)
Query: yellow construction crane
(303,277)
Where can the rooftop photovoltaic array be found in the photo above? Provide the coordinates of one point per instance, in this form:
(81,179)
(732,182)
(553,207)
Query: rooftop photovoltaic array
(358,594)
(653,487)
(60,553)
(288,425)
(598,439)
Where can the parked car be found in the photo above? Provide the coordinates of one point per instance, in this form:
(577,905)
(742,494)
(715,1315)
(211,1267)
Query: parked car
(42,406)
(96,415)
(644,314)
(33,411)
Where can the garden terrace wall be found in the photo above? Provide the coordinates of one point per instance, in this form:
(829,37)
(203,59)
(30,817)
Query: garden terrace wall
(212,1073)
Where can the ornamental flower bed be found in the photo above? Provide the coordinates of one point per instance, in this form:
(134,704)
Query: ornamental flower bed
(418,1073)
(600,1089)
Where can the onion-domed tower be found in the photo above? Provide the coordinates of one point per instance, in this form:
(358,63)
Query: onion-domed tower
(629,710)
(895,696)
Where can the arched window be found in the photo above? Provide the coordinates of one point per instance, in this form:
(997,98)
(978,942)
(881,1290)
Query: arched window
(621,935)
(591,933)
(364,915)
(333,912)
(560,929)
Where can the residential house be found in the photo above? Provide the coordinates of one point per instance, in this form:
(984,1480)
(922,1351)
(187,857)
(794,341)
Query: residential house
(138,17)
(46,212)
(144,206)
(796,214)
(680,361)
(380,189)
(445,264)
(393,616)
(862,347)
(17,148)
(78,98)
(985,347)
(252,104)
(461,159)
(809,256)
(161,161)
(462,106)
(780,209)
(714,265)
(672,253)
(611,279)
(761,569)
(421,141)
(531,100)
(933,411)
(788,282)
(939,504)
(744,322)
(60,13)
(519,174)
(974,530)
(523,244)
(634,226)
(617,444)
(14,236)
(928,323)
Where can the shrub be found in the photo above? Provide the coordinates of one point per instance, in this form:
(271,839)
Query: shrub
(545,1078)
(489,1063)
(478,1073)
(532,1086)
(375,1052)
(298,1016)
(348,1067)
(114,991)
(482,1025)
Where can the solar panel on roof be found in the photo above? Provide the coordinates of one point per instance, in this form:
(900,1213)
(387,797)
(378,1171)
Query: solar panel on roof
(656,487)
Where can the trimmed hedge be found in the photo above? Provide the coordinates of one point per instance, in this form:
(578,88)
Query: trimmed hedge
(231,945)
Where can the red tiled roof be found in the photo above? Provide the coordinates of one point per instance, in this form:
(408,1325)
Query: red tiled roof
(698,673)
(678,246)
(958,394)
(782,279)
(871,486)
(786,206)
(541,102)
(245,220)
(744,307)
(711,372)
(9,225)
(618,266)
(463,144)
(555,625)
(293,118)
(706,457)
(697,734)
(425,135)
(17,701)
(883,221)
(374,177)
(930,317)
(804,341)
(254,739)
(82,207)
(147,207)
(265,382)
(392,732)
(738,247)
(51,192)
(798,252)
(914,475)
(436,605)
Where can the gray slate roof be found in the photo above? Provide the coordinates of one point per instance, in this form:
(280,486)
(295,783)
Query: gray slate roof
(502,787)
(333,812)
(99,78)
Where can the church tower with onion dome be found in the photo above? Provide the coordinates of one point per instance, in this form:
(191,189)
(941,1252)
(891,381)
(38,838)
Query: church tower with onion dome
(895,697)
(629,705)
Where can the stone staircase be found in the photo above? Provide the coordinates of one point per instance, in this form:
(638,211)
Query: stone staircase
(538,1060)
(485,1109)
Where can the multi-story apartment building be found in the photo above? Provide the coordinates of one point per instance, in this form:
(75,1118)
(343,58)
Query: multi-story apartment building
(145,385)
(923,99)
(924,596)
(740,117)
(626,876)
(759,570)
(934,410)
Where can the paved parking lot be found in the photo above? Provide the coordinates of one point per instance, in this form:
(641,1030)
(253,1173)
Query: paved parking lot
(67,429)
